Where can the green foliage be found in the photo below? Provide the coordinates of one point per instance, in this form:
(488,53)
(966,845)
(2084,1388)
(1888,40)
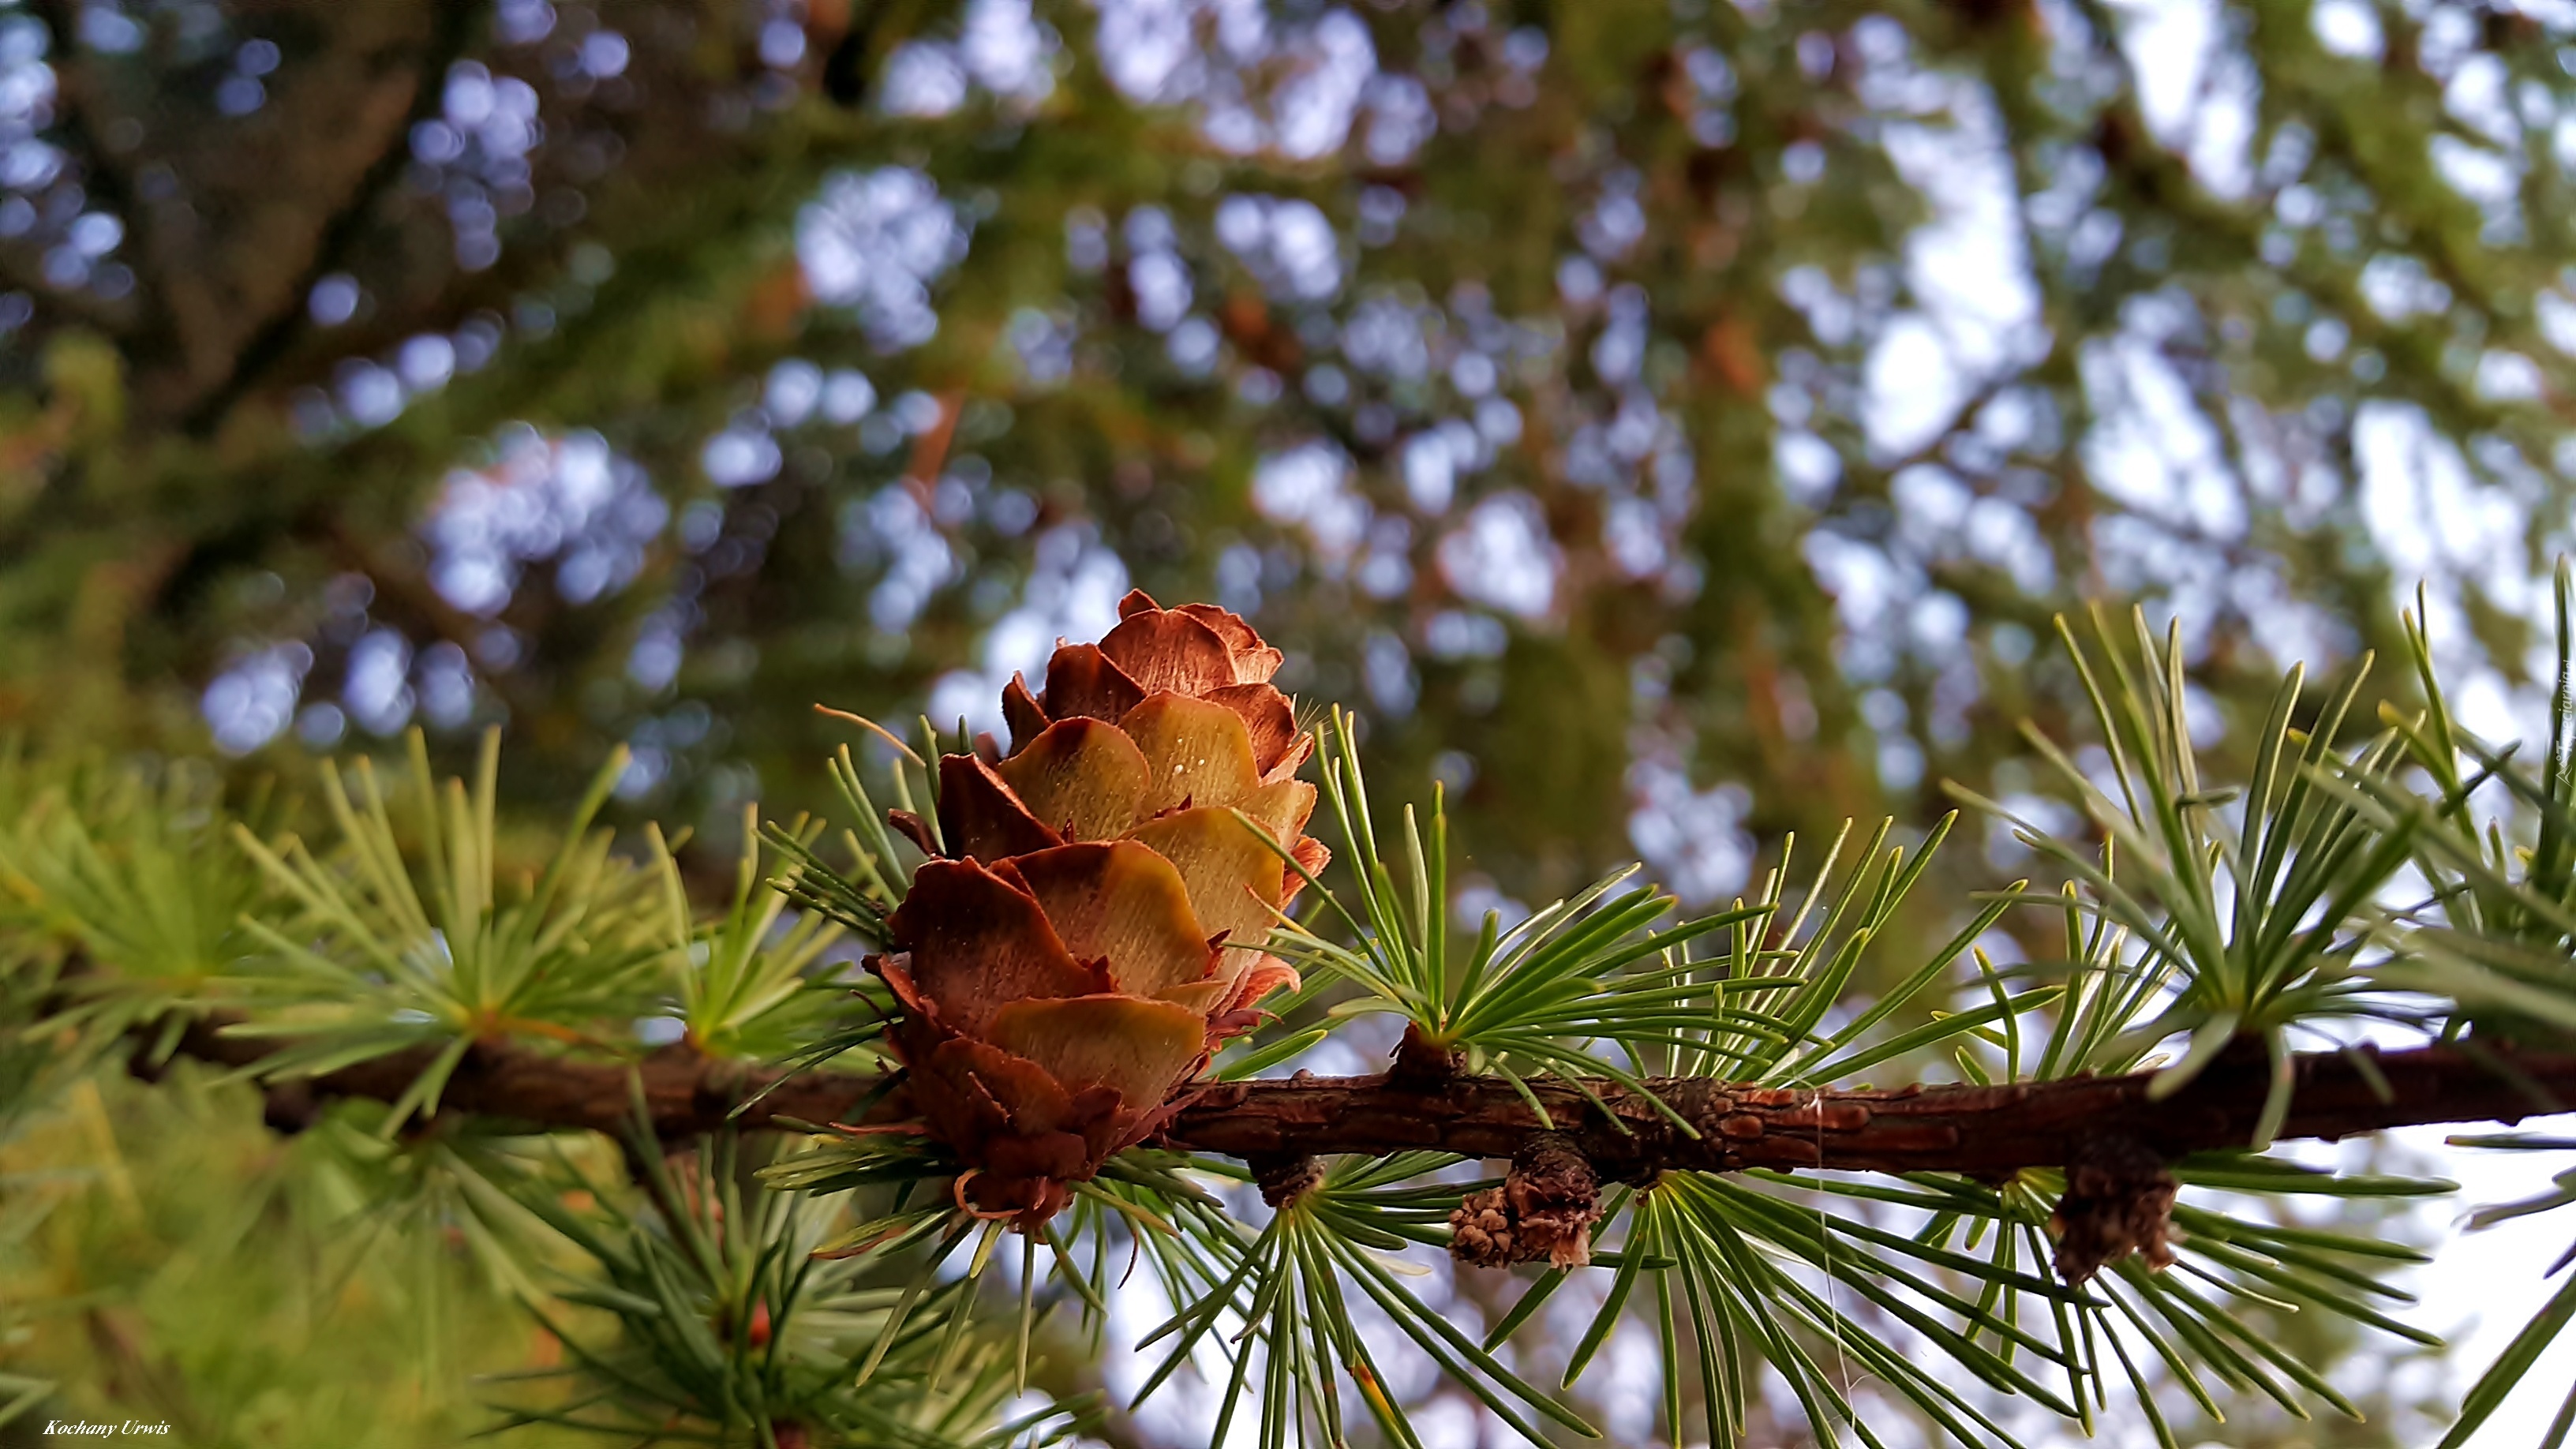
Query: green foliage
(730,1327)
(1594,968)
(2548,1324)
(2188,1321)
(862,897)
(2494,934)
(842,1287)
(1318,1255)
(392,950)
(170,1259)
(109,866)
(748,983)
(1742,995)
(2496,930)
(2255,929)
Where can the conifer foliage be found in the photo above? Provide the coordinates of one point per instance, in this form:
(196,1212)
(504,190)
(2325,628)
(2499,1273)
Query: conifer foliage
(1085,959)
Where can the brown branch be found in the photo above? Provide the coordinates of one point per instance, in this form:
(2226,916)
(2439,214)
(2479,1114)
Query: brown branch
(687,1093)
(1982,1131)
(1977,1130)
(930,451)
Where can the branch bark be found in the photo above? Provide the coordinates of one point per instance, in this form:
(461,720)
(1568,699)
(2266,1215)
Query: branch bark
(1976,1130)
(686,1093)
(1970,1129)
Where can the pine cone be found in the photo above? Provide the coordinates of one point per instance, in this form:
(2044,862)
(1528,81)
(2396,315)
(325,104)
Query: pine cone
(1093,930)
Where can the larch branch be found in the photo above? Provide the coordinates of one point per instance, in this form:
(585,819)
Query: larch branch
(1984,1131)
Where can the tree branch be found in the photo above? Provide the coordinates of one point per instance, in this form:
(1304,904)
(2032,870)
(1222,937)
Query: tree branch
(1970,1129)
(687,1093)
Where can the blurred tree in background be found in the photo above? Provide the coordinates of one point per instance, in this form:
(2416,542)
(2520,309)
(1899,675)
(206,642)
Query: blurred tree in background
(1670,423)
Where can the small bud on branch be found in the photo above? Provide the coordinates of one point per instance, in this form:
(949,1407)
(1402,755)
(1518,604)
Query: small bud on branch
(1544,1209)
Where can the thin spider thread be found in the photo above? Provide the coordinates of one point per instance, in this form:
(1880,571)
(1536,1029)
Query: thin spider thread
(1825,1236)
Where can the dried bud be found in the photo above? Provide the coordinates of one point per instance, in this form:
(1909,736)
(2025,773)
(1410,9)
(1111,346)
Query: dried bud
(1544,1209)
(1283,1180)
(2118,1200)
(1094,931)
(1480,1231)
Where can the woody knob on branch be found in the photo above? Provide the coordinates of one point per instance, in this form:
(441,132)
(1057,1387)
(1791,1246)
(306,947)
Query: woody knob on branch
(1545,1209)
(1088,929)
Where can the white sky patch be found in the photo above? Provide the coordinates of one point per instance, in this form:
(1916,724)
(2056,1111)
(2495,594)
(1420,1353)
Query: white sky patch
(1809,467)
(923,79)
(1388,336)
(486,127)
(2557,317)
(1632,530)
(1966,267)
(1289,244)
(376,687)
(2476,94)
(1161,282)
(2290,629)
(1864,583)
(1007,51)
(2433,521)
(1503,556)
(1694,840)
(2487,177)
(1000,46)
(1400,118)
(893,526)
(1309,486)
(573,499)
(874,241)
(1430,471)
(2169,43)
(2198,98)
(1071,597)
(2482,1286)
(1916,386)
(1211,52)
(1312,112)
(2347,28)
(2154,449)
(2509,377)
(2001,534)
(2426,513)
(2398,287)
(27,90)
(250,702)
(1150,48)
(740,456)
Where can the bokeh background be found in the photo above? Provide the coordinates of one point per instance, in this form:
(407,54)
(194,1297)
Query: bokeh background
(1671,424)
